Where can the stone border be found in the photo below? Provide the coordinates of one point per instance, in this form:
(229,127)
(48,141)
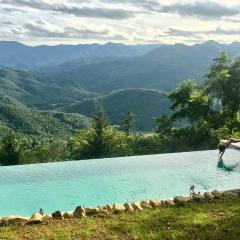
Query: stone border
(116,208)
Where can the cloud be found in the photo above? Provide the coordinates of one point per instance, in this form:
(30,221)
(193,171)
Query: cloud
(12,9)
(145,4)
(94,12)
(6,23)
(184,33)
(203,10)
(145,20)
(220,31)
(178,32)
(41,29)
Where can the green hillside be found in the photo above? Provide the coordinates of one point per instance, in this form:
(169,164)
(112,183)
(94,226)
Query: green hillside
(26,121)
(34,90)
(146,104)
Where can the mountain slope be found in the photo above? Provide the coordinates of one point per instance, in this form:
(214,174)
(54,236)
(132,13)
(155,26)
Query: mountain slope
(14,54)
(161,69)
(144,103)
(26,121)
(33,90)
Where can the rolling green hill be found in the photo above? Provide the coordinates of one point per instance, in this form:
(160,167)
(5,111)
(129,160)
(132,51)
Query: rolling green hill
(146,104)
(25,121)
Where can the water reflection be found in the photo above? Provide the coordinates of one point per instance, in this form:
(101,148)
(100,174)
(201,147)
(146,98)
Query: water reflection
(227,167)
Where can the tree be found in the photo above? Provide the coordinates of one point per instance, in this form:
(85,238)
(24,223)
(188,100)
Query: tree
(164,125)
(231,97)
(128,122)
(190,101)
(100,123)
(10,150)
(217,77)
(223,84)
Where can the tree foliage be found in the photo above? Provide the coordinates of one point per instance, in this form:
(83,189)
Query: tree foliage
(128,122)
(190,101)
(10,150)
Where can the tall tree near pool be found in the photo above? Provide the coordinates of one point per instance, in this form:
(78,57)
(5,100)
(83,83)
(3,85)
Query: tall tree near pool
(128,122)
(10,150)
(164,125)
(100,123)
(190,101)
(231,99)
(217,77)
(223,84)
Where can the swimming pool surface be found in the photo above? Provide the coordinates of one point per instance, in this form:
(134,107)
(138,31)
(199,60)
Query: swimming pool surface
(64,185)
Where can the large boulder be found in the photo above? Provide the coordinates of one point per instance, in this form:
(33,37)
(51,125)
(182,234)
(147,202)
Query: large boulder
(231,193)
(208,196)
(198,197)
(109,208)
(118,208)
(155,203)
(102,210)
(57,215)
(169,203)
(129,207)
(47,217)
(36,218)
(180,200)
(136,206)
(92,211)
(79,212)
(217,194)
(146,204)
(14,220)
(68,215)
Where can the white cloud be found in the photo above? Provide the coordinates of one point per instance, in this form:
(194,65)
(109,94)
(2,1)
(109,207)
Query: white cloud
(127,21)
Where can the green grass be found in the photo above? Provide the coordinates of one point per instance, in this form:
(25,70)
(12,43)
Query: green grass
(219,220)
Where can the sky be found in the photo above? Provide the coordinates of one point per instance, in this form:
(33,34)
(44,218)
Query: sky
(124,21)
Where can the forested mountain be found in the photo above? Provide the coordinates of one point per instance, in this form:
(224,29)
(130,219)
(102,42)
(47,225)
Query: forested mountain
(144,103)
(76,75)
(161,69)
(32,89)
(14,54)
(42,124)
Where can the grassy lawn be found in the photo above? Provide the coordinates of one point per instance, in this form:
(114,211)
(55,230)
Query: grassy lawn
(219,220)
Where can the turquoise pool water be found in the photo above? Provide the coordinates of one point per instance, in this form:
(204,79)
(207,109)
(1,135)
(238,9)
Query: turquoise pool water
(63,186)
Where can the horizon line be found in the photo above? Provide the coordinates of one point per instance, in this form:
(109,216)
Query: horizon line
(25,43)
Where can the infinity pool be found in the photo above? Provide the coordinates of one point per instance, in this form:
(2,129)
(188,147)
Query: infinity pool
(63,186)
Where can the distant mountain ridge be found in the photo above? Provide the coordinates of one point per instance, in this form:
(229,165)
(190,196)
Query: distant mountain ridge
(18,55)
(162,68)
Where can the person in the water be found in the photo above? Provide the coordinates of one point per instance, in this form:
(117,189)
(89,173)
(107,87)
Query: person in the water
(223,144)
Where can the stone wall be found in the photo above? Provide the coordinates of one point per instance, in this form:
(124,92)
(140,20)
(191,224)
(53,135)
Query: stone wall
(116,208)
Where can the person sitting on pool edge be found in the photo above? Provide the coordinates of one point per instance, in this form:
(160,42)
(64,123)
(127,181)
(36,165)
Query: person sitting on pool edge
(192,192)
(223,144)
(41,211)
